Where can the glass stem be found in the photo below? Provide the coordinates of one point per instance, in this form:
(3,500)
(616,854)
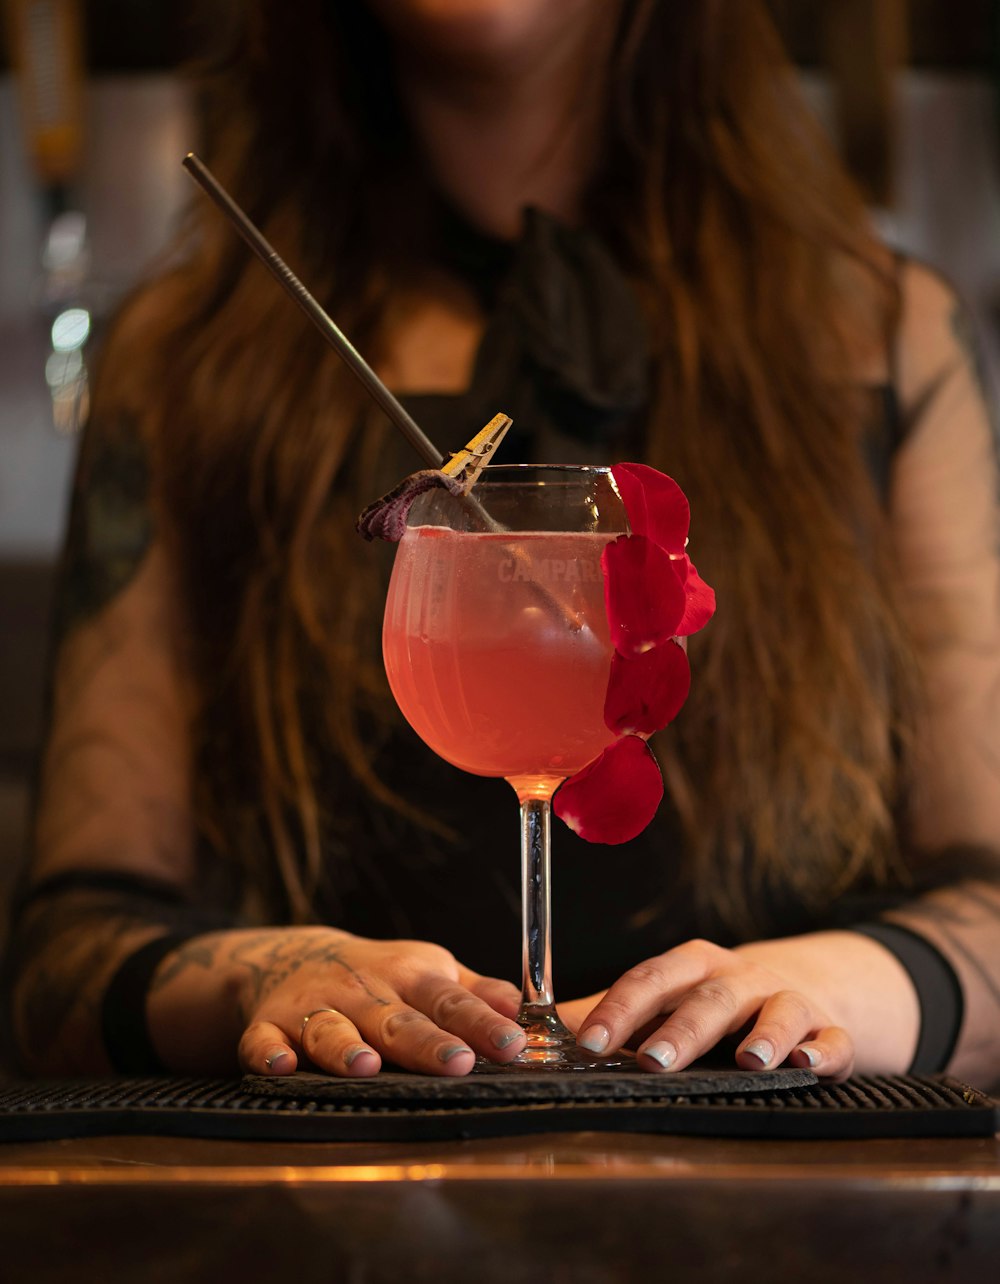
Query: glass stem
(536,990)
(538,1013)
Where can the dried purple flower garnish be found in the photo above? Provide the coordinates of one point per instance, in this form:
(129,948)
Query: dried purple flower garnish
(386,517)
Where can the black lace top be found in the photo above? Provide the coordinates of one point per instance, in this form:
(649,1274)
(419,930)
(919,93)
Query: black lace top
(565,355)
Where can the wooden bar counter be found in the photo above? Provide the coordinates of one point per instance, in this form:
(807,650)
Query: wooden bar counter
(575,1207)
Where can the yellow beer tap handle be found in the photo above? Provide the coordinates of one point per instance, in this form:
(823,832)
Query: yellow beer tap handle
(46,46)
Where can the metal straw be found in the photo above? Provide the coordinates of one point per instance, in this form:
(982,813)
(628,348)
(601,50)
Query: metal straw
(286,278)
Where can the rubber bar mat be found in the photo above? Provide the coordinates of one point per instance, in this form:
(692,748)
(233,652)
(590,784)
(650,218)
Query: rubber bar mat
(896,1106)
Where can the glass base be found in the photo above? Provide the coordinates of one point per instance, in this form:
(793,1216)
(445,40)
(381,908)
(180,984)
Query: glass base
(551,1046)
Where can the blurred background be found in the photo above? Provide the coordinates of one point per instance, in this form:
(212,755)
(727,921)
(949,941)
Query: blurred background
(95,115)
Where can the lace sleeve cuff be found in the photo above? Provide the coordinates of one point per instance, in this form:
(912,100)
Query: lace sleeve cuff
(124,1027)
(939,992)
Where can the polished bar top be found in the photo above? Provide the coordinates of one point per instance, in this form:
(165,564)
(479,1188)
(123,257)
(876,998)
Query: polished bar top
(572,1208)
(573,1158)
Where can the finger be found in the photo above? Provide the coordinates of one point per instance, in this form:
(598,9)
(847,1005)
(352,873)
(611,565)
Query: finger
(403,1034)
(830,1052)
(332,1043)
(784,1021)
(410,1039)
(709,1012)
(265,1049)
(646,992)
(500,995)
(453,1007)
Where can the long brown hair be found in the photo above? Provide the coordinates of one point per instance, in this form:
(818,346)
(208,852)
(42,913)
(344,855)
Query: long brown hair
(764,292)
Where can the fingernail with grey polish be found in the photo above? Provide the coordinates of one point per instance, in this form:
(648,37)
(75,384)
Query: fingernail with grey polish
(762,1050)
(504,1038)
(275,1057)
(664,1053)
(812,1055)
(456,1049)
(595,1038)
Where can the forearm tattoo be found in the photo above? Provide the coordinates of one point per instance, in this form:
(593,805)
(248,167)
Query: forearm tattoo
(269,958)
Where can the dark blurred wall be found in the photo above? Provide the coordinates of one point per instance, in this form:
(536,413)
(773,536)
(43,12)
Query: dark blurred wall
(156,35)
(953,35)
(136,35)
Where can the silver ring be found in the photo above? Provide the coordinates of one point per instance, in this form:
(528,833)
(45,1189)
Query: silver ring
(308,1017)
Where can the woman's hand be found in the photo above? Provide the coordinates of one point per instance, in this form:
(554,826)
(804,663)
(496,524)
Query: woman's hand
(321,998)
(344,1004)
(685,1001)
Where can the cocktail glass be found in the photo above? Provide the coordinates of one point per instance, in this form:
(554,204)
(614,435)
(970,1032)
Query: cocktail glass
(497,650)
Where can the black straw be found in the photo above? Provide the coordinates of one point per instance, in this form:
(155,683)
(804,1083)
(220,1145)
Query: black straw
(285,277)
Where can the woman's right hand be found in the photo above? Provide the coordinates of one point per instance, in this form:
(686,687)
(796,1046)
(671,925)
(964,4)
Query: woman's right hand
(344,1004)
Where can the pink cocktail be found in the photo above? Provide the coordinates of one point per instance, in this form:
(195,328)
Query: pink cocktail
(493,677)
(497,650)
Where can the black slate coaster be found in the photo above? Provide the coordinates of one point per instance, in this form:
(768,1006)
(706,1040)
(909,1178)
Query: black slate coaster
(400,1089)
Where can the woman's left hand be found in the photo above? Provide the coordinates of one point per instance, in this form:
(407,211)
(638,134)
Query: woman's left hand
(705,993)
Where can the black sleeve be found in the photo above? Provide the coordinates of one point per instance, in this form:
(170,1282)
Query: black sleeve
(939,993)
(124,1027)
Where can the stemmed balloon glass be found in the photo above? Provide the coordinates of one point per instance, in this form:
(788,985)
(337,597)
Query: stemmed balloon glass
(496,640)
(497,650)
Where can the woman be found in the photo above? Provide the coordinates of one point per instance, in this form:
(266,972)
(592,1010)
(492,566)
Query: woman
(694,283)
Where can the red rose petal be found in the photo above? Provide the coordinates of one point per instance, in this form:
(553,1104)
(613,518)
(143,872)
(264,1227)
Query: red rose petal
(614,797)
(643,593)
(700,603)
(647,692)
(656,505)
